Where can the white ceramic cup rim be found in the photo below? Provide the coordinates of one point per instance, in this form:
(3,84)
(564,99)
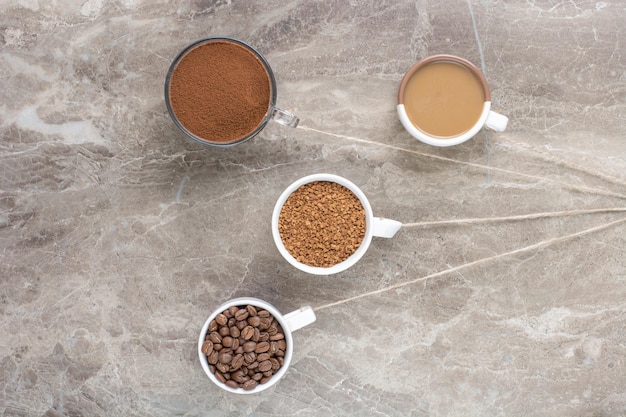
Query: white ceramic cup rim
(355,257)
(242,301)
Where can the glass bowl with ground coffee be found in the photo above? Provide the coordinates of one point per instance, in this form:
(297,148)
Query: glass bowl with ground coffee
(323,224)
(220,91)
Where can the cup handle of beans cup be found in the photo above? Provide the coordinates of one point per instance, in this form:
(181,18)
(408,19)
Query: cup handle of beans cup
(284,117)
(497,121)
(299,318)
(385,227)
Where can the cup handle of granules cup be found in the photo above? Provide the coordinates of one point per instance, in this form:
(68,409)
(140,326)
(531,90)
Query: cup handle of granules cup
(497,121)
(284,117)
(385,227)
(299,318)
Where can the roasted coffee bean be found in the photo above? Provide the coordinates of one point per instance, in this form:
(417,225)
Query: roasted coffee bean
(251,310)
(249,357)
(207,347)
(273,348)
(237,362)
(217,346)
(281,360)
(215,337)
(281,344)
(268,373)
(212,368)
(253,365)
(241,324)
(234,331)
(265,323)
(277,336)
(262,347)
(249,346)
(264,337)
(263,357)
(232,384)
(213,326)
(238,375)
(247,332)
(227,341)
(265,379)
(263,313)
(275,364)
(249,385)
(213,357)
(257,376)
(241,314)
(222,367)
(231,322)
(225,357)
(220,377)
(221,319)
(235,345)
(257,335)
(273,329)
(280,354)
(254,321)
(224,331)
(265,366)
(232,310)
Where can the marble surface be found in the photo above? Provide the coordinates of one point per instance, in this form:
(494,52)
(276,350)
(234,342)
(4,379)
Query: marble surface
(504,292)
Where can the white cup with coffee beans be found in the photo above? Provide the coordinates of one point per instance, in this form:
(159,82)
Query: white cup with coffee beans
(323,224)
(246,345)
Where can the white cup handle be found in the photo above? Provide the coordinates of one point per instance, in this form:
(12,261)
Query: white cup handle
(299,318)
(385,227)
(497,121)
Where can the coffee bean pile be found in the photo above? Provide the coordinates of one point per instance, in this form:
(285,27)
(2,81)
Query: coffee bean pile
(244,346)
(322,223)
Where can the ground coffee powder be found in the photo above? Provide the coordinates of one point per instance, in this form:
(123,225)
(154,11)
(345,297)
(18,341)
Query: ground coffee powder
(322,223)
(220,91)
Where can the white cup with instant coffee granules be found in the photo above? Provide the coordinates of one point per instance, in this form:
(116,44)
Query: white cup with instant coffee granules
(323,224)
(246,345)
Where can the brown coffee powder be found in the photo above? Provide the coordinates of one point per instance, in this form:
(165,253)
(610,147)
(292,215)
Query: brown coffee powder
(322,223)
(220,91)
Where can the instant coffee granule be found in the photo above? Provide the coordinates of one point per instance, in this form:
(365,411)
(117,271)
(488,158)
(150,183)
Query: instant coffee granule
(245,346)
(220,91)
(322,223)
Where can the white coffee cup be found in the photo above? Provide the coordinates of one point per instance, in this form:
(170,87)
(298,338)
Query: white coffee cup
(488,118)
(289,322)
(374,226)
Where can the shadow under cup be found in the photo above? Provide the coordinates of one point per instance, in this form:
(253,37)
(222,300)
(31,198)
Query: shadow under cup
(444,100)
(220,91)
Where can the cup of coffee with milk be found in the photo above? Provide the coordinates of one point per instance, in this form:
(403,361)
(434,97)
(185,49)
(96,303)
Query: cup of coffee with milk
(444,100)
(222,92)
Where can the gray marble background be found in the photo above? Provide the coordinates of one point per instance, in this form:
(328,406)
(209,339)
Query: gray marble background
(118,236)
